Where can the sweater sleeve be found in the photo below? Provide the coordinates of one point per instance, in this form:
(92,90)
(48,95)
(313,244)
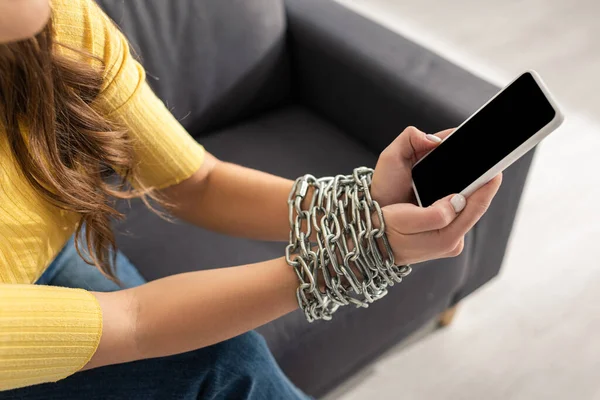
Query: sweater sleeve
(165,153)
(46,333)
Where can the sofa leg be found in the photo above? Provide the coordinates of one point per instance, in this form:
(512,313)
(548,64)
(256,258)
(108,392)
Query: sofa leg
(447,316)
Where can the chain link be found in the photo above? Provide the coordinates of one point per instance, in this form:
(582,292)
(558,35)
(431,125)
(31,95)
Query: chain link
(352,261)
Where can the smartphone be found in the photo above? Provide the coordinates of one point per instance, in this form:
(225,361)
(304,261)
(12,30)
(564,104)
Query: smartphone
(498,134)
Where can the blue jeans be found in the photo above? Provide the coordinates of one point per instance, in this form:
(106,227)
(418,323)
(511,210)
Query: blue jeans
(238,368)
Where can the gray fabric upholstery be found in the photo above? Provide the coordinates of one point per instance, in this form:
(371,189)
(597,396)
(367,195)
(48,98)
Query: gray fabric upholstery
(161,248)
(372,82)
(492,232)
(340,88)
(213,61)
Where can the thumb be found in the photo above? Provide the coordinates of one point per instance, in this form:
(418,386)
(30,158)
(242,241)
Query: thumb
(413,219)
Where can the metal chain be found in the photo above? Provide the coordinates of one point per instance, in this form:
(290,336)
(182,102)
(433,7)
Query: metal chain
(352,261)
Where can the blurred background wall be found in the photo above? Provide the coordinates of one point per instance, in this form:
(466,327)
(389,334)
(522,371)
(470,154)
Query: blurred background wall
(533,333)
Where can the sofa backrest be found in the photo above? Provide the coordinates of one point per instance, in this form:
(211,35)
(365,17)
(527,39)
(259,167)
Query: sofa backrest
(212,62)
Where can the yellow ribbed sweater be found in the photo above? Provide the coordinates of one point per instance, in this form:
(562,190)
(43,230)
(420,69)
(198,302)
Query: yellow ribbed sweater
(48,333)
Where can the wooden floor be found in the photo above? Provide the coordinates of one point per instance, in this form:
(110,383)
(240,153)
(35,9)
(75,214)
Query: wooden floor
(533,332)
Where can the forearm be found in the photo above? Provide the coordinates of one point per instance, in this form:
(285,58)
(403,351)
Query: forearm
(193,310)
(234,200)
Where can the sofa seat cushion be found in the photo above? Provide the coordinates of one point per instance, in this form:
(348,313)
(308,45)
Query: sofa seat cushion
(290,142)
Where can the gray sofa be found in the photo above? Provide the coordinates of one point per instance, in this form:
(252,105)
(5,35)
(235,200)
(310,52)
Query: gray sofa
(305,86)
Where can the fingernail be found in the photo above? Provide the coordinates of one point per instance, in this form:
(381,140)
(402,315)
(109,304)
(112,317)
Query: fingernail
(433,138)
(458,202)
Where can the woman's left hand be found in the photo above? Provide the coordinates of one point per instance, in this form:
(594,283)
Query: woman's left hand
(419,234)
(392,180)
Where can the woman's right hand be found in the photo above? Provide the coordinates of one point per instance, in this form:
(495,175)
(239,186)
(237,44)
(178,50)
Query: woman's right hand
(419,234)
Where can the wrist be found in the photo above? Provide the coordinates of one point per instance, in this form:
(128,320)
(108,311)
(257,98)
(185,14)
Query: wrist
(353,263)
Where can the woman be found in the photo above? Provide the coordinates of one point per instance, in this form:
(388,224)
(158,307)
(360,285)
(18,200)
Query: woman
(74,106)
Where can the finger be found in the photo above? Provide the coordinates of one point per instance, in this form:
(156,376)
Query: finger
(441,242)
(412,144)
(408,143)
(458,249)
(412,249)
(428,147)
(477,204)
(406,218)
(445,133)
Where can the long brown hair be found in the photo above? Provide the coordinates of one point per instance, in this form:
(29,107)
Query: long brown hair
(63,146)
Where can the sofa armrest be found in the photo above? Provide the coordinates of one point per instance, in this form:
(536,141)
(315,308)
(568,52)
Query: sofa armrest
(370,81)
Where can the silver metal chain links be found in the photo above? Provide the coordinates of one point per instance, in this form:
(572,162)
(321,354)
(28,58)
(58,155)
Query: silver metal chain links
(352,261)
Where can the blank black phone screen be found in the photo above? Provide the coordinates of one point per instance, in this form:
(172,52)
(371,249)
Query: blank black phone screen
(515,115)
